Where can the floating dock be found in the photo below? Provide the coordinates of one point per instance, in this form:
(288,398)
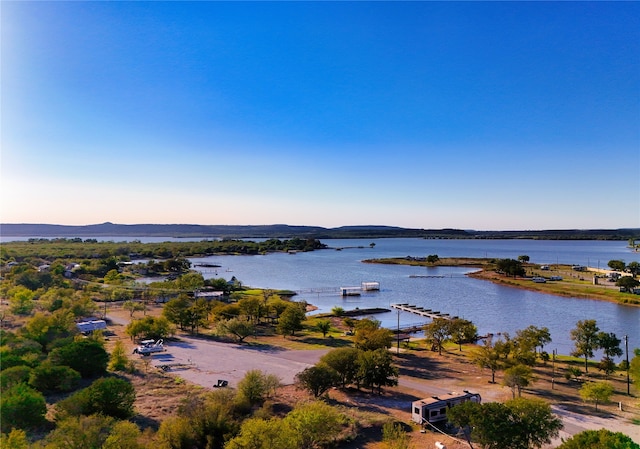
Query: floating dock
(364,287)
(433,314)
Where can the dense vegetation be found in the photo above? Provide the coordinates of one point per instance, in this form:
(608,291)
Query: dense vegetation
(77,248)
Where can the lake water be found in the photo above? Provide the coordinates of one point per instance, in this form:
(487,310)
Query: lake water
(493,308)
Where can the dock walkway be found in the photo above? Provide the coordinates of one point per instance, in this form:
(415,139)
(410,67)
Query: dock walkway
(433,314)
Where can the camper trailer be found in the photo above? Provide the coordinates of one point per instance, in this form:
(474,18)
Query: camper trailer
(434,409)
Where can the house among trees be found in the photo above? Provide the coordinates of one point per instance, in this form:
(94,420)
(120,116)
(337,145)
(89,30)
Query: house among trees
(434,409)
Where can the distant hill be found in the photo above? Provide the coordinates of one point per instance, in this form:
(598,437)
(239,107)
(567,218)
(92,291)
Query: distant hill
(287,231)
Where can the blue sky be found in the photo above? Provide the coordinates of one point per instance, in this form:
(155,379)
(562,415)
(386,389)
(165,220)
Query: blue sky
(472,115)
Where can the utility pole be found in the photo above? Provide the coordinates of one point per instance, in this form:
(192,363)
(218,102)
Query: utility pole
(553,368)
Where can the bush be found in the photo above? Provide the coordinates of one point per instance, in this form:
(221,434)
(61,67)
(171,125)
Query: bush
(108,396)
(51,378)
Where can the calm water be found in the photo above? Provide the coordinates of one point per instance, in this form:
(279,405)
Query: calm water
(491,307)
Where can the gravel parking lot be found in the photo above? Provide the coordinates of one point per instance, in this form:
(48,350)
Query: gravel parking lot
(203,362)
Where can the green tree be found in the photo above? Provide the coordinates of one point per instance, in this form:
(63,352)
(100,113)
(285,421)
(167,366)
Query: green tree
(488,356)
(256,385)
(176,432)
(239,329)
(462,331)
(252,307)
(343,361)
(22,408)
(437,333)
(523,258)
(21,300)
(123,435)
(617,265)
(291,319)
(133,307)
(534,337)
(634,268)
(585,336)
(432,258)
(628,283)
(517,377)
(369,335)
(257,433)
(599,439)
(610,345)
(119,360)
(634,367)
(517,424)
(149,327)
(315,424)
(176,311)
(317,379)
(49,378)
(323,326)
(376,369)
(109,396)
(88,357)
(510,267)
(596,392)
(13,375)
(81,432)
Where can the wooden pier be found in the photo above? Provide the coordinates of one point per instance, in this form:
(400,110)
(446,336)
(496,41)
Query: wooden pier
(433,314)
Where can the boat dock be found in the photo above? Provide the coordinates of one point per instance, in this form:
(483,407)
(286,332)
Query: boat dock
(433,314)
(364,287)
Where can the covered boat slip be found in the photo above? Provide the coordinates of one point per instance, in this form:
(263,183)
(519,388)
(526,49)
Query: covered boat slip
(434,409)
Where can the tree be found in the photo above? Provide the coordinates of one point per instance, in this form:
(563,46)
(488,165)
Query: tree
(534,337)
(81,432)
(343,361)
(132,307)
(585,336)
(599,439)
(176,311)
(49,378)
(240,329)
(149,327)
(462,331)
(634,367)
(510,267)
(437,332)
(109,396)
(517,424)
(323,326)
(21,300)
(315,424)
(119,360)
(88,357)
(628,283)
(610,345)
(488,356)
(633,268)
(376,369)
(517,377)
(317,379)
(596,392)
(257,433)
(22,408)
(369,335)
(291,319)
(394,435)
(617,265)
(432,258)
(523,258)
(16,439)
(256,385)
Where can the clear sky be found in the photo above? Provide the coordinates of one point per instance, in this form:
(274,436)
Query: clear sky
(470,115)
